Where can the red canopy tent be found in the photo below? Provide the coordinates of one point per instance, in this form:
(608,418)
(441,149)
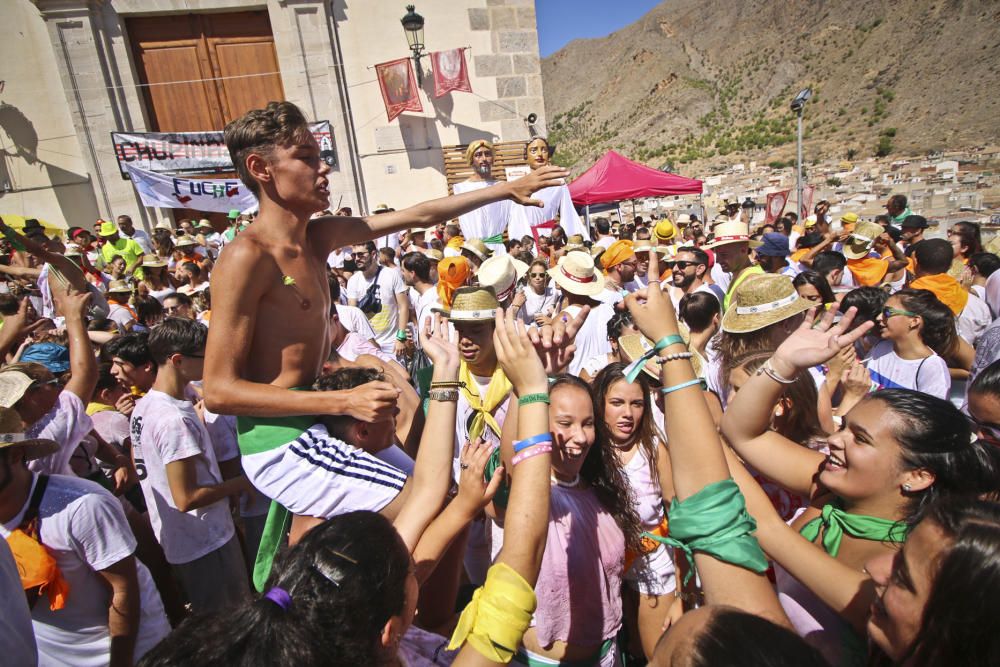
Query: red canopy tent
(615,177)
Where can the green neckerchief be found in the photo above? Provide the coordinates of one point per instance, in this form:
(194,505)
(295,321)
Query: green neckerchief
(835,522)
(496,239)
(903,216)
(715,521)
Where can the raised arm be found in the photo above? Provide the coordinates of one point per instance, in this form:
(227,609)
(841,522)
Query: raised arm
(81,354)
(331,232)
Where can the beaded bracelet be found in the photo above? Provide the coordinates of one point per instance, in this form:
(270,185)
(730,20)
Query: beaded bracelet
(528,399)
(674,357)
(525,455)
(443,395)
(448,384)
(533,440)
(768,370)
(682,385)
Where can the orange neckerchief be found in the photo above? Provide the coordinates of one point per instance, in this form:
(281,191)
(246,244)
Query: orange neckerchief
(869,271)
(453,272)
(799,254)
(945,288)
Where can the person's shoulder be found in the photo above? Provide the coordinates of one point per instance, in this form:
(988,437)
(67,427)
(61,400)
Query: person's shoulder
(64,491)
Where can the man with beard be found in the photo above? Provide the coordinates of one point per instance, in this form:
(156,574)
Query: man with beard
(619,264)
(487,222)
(732,252)
(688,269)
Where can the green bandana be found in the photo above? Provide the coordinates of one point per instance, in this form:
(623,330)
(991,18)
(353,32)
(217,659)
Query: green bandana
(715,521)
(835,522)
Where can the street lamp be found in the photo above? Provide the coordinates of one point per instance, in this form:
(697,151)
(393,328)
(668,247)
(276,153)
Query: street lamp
(798,104)
(748,207)
(413,26)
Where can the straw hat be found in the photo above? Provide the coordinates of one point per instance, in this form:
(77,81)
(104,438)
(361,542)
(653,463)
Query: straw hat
(381,208)
(153,261)
(575,242)
(634,346)
(72,250)
(163,224)
(499,273)
(107,229)
(12,430)
(204,223)
(647,246)
(471,304)
(731,232)
(683,220)
(664,231)
(577,274)
(477,248)
(119,286)
(434,254)
(185,241)
(860,243)
(760,301)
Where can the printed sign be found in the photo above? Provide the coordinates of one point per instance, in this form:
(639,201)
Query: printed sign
(201,194)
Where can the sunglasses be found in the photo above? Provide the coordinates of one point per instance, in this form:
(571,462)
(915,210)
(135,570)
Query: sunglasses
(360,254)
(537,275)
(43,383)
(889,312)
(681,264)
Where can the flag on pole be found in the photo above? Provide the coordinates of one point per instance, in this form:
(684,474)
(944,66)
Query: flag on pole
(450,72)
(807,201)
(776,202)
(399,87)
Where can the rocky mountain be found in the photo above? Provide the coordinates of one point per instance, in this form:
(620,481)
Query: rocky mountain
(701,84)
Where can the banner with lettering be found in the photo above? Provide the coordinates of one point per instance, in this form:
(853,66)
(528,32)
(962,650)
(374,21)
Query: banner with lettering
(398,83)
(189,152)
(450,72)
(775,206)
(201,194)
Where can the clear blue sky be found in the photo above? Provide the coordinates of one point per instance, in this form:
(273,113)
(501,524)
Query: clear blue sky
(561,21)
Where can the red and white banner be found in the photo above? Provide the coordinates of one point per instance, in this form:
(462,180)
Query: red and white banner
(807,201)
(399,87)
(776,202)
(450,72)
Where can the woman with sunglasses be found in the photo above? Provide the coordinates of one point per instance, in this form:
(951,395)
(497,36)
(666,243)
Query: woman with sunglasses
(983,405)
(914,326)
(541,298)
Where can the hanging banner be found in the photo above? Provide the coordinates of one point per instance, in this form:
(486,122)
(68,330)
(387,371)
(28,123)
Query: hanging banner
(807,201)
(775,206)
(399,87)
(201,194)
(450,72)
(194,151)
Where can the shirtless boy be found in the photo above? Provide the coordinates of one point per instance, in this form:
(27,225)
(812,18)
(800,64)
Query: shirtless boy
(270,294)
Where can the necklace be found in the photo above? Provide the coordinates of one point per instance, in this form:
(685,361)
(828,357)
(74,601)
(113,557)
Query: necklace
(566,485)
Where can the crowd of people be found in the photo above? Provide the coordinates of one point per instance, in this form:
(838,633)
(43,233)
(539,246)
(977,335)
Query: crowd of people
(481,431)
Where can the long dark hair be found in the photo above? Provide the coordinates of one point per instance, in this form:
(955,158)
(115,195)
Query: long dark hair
(817,280)
(938,332)
(648,435)
(603,472)
(969,236)
(937,437)
(734,637)
(346,579)
(800,422)
(966,588)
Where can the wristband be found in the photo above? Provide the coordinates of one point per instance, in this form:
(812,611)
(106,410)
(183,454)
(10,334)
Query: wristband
(533,440)
(632,370)
(534,451)
(768,370)
(401,335)
(682,385)
(674,357)
(528,399)
(448,384)
(443,394)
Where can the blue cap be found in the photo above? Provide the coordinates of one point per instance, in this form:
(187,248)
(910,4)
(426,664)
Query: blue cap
(774,245)
(53,356)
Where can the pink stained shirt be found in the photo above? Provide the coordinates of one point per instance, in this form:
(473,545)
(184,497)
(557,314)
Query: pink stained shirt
(579,584)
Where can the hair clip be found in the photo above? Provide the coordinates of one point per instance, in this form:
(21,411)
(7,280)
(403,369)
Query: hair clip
(280,597)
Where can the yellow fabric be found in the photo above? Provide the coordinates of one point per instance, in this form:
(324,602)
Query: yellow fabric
(946,289)
(617,252)
(495,621)
(496,392)
(38,568)
(475,146)
(453,272)
(94,407)
(456,242)
(868,271)
(799,254)
(754,270)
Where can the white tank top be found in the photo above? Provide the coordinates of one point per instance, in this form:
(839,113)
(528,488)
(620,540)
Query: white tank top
(645,489)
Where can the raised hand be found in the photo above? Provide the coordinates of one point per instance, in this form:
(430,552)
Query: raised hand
(474,492)
(69,302)
(553,341)
(651,309)
(516,355)
(440,344)
(543,177)
(811,344)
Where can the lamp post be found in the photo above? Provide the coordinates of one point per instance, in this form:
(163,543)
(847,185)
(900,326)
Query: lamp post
(748,207)
(413,26)
(798,104)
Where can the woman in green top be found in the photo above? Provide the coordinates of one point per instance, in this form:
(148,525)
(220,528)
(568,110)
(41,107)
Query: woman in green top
(896,452)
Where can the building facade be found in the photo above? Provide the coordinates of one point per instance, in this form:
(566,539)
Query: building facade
(83,69)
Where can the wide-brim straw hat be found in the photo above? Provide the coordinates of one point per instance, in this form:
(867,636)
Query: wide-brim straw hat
(434,254)
(477,248)
(634,346)
(163,224)
(12,432)
(118,286)
(499,273)
(665,230)
(762,300)
(683,220)
(153,261)
(185,241)
(577,274)
(862,239)
(731,232)
(471,304)
(575,242)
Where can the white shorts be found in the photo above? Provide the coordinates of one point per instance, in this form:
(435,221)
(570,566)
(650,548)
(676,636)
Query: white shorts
(653,574)
(319,475)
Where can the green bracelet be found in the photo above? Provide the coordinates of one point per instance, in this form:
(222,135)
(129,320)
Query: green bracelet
(528,399)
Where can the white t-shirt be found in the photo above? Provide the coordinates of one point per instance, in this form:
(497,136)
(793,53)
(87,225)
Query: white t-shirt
(605,241)
(336,259)
(422,307)
(889,371)
(592,338)
(120,315)
(544,303)
(165,430)
(67,423)
(385,322)
(17,638)
(973,319)
(354,320)
(611,295)
(720,277)
(84,528)
(464,414)
(112,426)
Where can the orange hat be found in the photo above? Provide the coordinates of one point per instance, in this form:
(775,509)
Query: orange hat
(453,272)
(617,252)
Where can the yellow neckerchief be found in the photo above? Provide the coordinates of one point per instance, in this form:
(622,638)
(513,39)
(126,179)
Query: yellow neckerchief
(496,392)
(94,407)
(455,242)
